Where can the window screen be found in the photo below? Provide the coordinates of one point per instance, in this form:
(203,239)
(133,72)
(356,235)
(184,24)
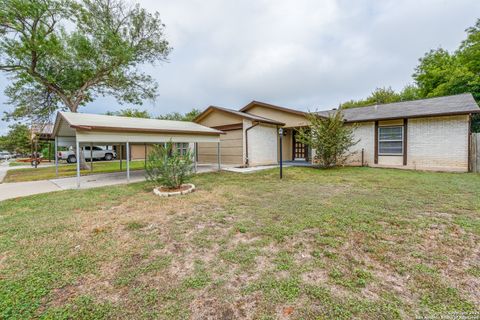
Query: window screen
(182,148)
(390,140)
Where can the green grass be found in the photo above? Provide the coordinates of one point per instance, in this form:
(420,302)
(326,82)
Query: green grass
(68,170)
(17,164)
(347,243)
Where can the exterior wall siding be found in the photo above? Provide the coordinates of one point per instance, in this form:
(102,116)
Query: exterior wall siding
(439,143)
(231,149)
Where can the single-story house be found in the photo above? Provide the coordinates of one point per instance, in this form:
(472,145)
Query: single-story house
(428,134)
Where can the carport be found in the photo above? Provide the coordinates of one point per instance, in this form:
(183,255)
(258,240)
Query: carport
(81,129)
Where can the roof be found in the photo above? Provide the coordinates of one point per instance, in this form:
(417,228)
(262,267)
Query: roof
(85,121)
(271,106)
(441,106)
(238,113)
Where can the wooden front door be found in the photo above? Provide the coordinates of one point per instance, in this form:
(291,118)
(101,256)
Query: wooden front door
(300,150)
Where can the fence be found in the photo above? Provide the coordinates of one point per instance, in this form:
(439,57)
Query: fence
(475,152)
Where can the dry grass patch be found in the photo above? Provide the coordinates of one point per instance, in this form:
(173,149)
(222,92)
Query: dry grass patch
(355,242)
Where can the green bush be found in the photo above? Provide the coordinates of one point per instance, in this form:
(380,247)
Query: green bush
(167,167)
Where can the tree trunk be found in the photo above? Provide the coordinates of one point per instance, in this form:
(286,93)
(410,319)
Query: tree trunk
(81,157)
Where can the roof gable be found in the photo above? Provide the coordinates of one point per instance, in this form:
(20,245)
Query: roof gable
(237,113)
(271,106)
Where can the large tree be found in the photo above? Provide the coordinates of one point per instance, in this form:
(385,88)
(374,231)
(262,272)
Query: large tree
(64,53)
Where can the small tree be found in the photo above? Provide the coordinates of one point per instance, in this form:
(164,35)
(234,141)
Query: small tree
(330,138)
(167,167)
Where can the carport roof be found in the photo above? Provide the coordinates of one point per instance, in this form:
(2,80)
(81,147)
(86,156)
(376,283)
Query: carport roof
(97,122)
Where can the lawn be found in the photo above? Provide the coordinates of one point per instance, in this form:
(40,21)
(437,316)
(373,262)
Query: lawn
(326,244)
(68,170)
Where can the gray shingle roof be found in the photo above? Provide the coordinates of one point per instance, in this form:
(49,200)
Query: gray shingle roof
(450,105)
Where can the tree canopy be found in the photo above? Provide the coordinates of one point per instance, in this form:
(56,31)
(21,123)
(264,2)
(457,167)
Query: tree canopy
(439,73)
(64,53)
(137,113)
(188,116)
(130,112)
(17,140)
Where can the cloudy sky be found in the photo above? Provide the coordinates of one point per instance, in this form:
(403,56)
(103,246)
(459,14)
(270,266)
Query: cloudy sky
(304,54)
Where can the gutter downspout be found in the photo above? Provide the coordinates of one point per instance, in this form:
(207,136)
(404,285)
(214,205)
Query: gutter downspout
(246,142)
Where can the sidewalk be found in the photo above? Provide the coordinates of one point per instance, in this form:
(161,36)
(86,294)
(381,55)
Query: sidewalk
(22,189)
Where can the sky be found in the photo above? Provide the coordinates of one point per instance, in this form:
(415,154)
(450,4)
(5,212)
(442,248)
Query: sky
(303,54)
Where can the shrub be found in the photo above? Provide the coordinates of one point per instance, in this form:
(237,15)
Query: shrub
(167,167)
(329,137)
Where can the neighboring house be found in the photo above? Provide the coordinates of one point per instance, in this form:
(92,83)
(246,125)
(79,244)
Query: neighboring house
(428,134)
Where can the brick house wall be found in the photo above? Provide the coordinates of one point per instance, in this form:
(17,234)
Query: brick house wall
(433,143)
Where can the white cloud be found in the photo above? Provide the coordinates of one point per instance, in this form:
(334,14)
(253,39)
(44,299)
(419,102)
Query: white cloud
(306,54)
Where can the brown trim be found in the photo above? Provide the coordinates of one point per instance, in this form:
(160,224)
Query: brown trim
(81,127)
(293,144)
(376,144)
(417,116)
(271,106)
(405,141)
(117,129)
(228,127)
(469,143)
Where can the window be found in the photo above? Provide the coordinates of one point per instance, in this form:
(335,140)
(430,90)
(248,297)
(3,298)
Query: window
(182,148)
(390,140)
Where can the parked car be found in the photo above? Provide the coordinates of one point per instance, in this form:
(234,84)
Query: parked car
(97,153)
(5,155)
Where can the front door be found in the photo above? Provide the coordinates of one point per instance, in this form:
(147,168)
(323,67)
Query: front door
(300,150)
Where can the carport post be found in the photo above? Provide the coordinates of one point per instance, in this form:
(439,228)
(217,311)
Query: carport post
(128,161)
(121,155)
(218,155)
(195,157)
(145,164)
(78,164)
(56,157)
(91,157)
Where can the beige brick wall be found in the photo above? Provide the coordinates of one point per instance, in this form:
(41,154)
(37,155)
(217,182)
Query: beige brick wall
(365,133)
(438,143)
(434,143)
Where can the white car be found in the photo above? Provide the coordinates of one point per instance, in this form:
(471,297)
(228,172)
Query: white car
(97,154)
(5,155)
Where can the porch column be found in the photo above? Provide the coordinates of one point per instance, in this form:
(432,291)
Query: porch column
(128,162)
(78,163)
(56,157)
(218,155)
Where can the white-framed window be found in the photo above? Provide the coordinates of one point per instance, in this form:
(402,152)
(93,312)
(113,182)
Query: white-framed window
(390,141)
(182,147)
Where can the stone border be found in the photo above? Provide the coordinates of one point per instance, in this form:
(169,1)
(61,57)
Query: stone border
(174,193)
